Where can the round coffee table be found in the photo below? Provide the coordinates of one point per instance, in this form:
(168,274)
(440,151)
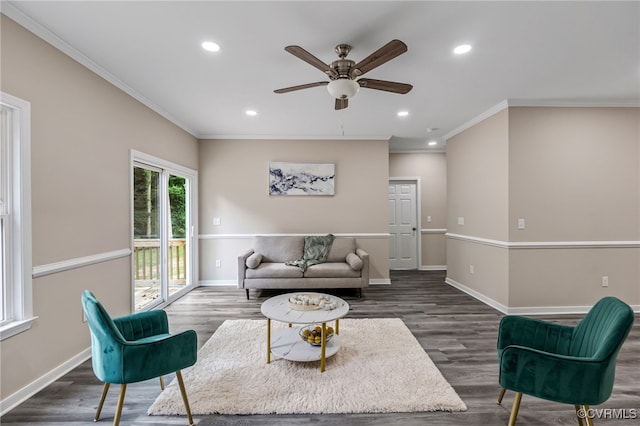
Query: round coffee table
(287,343)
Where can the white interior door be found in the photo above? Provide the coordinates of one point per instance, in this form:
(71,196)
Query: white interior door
(403,241)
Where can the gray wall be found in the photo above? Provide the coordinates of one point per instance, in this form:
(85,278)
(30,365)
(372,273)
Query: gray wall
(82,130)
(234,187)
(573,175)
(431,170)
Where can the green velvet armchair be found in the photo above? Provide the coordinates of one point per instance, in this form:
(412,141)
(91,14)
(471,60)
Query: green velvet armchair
(560,363)
(134,348)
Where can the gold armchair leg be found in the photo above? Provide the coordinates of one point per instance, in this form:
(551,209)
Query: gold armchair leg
(161,383)
(502,391)
(183,391)
(587,418)
(116,418)
(580,422)
(105,389)
(515,408)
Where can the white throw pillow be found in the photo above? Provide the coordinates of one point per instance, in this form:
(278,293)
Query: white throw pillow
(254,260)
(354,261)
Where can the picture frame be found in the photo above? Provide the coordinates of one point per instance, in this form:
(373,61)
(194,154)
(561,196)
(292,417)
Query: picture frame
(314,179)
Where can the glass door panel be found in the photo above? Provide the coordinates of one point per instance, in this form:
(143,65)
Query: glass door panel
(178,247)
(147,222)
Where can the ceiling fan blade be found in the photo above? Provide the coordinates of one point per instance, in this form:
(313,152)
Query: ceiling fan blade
(342,103)
(379,57)
(302,86)
(387,86)
(300,53)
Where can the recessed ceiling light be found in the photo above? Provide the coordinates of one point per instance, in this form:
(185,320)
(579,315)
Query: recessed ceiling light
(462,49)
(403,113)
(210,46)
(433,143)
(431,129)
(251,112)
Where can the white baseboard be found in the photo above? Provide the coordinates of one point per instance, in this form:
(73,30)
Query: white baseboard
(526,310)
(481,297)
(17,398)
(433,268)
(218,283)
(379,281)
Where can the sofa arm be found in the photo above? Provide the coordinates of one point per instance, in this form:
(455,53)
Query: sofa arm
(242,267)
(364,272)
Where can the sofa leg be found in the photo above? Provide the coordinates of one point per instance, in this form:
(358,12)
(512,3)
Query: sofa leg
(247,290)
(359,293)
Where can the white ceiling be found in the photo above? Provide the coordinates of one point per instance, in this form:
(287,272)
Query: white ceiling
(576,52)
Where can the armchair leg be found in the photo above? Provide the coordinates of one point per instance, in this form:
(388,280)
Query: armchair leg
(183,391)
(515,408)
(588,419)
(247,290)
(105,389)
(580,422)
(116,418)
(502,391)
(161,383)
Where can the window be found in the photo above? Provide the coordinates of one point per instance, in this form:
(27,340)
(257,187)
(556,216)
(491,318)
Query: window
(164,253)
(15,216)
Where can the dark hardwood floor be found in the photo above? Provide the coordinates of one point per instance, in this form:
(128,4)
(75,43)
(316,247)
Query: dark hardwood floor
(457,331)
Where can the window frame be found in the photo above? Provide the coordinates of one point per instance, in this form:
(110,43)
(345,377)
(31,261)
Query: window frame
(17,262)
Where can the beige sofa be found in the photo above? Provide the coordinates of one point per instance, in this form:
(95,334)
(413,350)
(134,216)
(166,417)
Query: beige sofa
(263,266)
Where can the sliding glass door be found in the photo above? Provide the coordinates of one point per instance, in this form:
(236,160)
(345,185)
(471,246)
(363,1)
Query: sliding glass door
(163,229)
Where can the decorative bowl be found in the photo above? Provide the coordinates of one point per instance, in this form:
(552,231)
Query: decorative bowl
(315,331)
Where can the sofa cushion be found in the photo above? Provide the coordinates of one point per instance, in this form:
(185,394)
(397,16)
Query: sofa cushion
(254,260)
(340,248)
(278,249)
(274,270)
(331,270)
(354,261)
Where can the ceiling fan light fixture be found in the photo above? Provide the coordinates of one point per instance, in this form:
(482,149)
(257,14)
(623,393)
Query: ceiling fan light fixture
(210,46)
(343,88)
(462,49)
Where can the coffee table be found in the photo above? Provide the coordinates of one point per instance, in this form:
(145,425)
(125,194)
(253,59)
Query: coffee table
(287,343)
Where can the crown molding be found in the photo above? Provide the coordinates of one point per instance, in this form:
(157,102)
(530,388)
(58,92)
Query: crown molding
(549,103)
(13,12)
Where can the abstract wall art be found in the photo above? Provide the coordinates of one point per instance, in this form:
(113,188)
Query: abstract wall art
(301,178)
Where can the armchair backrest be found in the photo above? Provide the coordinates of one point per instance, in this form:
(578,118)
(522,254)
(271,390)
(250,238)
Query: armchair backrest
(103,330)
(602,331)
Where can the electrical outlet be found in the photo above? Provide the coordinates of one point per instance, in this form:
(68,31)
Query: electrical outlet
(520,223)
(216,221)
(605,281)
(218,263)
(428,218)
(460,220)
(472,269)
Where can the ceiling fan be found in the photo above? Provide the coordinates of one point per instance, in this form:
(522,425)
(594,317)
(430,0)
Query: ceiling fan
(343,72)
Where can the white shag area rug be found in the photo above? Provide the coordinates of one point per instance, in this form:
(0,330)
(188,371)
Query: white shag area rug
(380,368)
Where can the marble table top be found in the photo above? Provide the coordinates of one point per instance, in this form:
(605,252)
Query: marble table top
(277,308)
